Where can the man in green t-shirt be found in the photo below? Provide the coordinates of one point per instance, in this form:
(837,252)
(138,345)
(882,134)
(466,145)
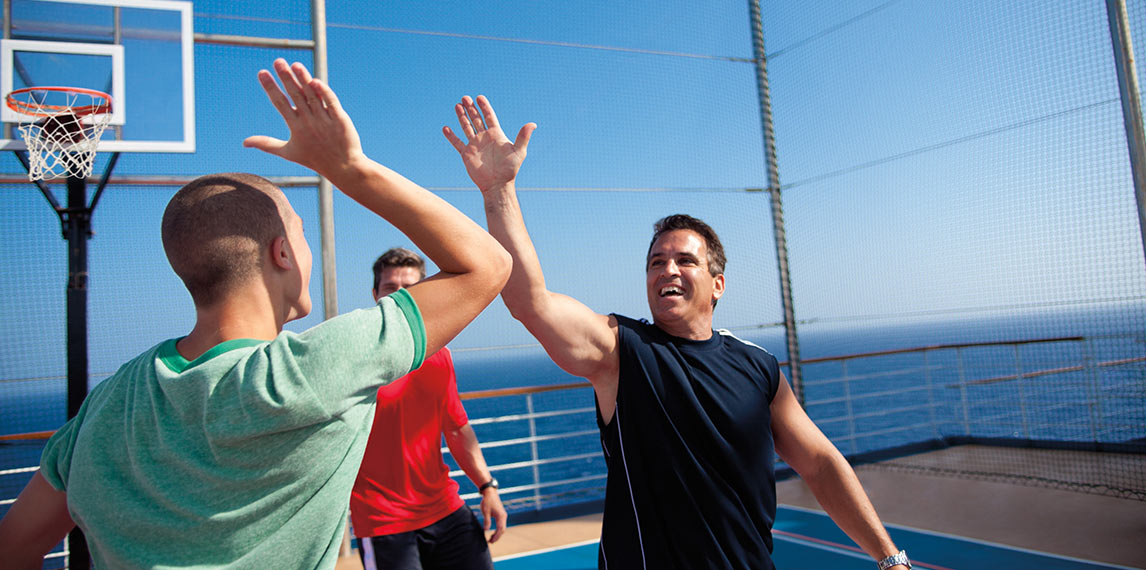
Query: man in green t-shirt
(237,445)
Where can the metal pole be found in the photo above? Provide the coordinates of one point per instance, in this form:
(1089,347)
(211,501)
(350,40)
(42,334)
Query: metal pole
(117,39)
(8,130)
(777,205)
(77,230)
(326,210)
(325,189)
(1131,106)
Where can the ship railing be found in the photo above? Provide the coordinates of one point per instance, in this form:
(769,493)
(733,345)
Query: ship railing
(543,444)
(1007,389)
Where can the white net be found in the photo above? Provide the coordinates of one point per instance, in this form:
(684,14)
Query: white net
(61,129)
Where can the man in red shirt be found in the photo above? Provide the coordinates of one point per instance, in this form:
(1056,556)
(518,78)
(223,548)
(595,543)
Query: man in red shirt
(403,498)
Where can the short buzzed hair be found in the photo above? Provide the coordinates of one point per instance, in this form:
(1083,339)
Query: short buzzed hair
(713,247)
(216,228)
(398,257)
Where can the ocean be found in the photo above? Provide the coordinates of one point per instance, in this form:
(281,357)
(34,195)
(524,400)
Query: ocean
(863,404)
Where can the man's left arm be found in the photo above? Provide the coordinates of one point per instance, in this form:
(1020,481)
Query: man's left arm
(463,444)
(832,480)
(35,523)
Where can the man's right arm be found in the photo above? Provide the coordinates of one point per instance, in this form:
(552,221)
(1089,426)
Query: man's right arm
(832,480)
(580,341)
(473,267)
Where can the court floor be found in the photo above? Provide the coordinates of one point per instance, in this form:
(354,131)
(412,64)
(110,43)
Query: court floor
(809,539)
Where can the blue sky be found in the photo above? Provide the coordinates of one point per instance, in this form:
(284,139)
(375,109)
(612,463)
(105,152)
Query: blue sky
(936,156)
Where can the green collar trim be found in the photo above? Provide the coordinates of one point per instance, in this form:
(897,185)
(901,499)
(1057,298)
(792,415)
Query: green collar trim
(174,361)
(417,327)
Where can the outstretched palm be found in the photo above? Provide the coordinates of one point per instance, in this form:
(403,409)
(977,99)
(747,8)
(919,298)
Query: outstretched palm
(490,158)
(322,136)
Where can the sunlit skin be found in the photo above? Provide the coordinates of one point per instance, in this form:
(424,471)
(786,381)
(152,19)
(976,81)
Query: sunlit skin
(680,288)
(392,278)
(301,250)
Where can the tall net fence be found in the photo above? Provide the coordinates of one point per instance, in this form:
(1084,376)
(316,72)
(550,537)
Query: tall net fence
(965,254)
(955,179)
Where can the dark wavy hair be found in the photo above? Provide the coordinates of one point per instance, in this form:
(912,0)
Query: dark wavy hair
(713,247)
(398,257)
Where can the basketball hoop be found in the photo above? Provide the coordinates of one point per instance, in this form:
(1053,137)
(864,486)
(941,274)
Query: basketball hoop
(61,127)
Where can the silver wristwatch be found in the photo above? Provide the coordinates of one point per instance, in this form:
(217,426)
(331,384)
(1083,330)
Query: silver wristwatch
(897,558)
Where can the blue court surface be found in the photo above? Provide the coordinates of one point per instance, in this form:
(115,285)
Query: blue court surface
(809,539)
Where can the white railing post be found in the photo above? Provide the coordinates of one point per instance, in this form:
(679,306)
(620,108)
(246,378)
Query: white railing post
(848,404)
(533,453)
(930,392)
(1022,394)
(1094,392)
(963,392)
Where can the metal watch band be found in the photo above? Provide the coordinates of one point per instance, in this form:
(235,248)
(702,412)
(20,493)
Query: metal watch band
(897,558)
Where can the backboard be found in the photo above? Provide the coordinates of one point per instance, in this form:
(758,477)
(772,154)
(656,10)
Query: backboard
(138,51)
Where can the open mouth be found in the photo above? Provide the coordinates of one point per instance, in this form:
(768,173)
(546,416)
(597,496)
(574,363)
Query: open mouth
(671,291)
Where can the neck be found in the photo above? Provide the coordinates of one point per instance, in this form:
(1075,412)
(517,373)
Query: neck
(240,315)
(700,329)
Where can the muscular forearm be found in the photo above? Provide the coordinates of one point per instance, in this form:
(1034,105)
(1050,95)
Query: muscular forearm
(525,293)
(473,265)
(839,492)
(466,450)
(577,339)
(463,444)
(453,241)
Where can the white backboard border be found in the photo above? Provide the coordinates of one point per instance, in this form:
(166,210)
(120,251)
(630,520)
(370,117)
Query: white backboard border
(8,49)
(183,8)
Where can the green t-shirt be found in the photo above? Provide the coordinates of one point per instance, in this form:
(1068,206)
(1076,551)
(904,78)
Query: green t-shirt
(243,458)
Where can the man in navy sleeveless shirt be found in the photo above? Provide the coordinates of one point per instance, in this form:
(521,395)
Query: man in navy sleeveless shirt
(691,422)
(690,418)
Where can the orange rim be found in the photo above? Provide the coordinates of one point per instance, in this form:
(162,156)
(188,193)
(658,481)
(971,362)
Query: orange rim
(40,110)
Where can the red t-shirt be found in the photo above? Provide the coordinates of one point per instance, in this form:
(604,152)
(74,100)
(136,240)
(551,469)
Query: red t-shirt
(403,483)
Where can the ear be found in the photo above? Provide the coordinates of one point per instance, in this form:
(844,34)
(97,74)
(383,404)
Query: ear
(718,287)
(375,293)
(281,255)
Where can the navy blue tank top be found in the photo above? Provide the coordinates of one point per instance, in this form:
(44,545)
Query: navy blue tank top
(690,453)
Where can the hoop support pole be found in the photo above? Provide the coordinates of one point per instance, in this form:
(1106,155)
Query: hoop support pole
(47,192)
(103,180)
(77,231)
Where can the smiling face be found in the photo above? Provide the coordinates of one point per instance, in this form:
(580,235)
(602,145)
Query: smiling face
(681,290)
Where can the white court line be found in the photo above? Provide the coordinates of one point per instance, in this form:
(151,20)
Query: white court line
(818,546)
(545,550)
(950,536)
(855,554)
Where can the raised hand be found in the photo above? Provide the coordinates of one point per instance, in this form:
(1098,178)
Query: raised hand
(322,136)
(491,159)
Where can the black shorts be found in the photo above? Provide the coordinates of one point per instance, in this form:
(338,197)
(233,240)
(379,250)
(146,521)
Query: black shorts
(456,542)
